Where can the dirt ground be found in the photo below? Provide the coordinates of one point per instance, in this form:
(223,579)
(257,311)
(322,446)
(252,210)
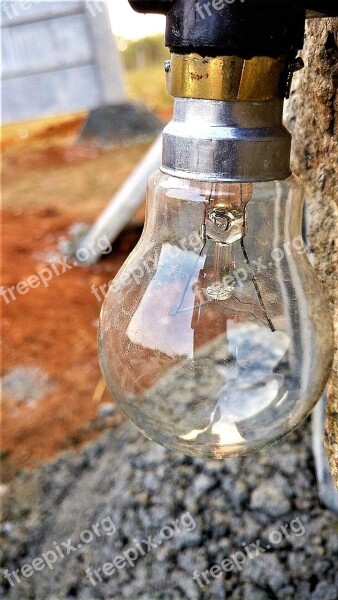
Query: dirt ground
(50,184)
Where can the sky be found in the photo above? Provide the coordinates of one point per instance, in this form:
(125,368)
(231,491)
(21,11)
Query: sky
(131,25)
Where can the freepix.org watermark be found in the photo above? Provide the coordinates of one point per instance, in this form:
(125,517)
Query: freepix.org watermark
(238,559)
(147,266)
(236,278)
(61,550)
(140,548)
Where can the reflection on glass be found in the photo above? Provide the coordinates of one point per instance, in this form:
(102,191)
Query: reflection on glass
(214,337)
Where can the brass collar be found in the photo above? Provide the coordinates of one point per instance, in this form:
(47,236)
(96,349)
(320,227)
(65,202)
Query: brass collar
(228,78)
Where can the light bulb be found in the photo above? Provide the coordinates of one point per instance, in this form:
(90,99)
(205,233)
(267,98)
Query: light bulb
(215,339)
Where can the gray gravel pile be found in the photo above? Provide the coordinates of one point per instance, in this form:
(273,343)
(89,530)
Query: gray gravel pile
(114,124)
(126,481)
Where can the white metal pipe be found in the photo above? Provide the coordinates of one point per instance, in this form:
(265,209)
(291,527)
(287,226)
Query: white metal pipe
(123,205)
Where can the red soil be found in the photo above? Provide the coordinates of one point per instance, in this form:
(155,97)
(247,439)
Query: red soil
(54,328)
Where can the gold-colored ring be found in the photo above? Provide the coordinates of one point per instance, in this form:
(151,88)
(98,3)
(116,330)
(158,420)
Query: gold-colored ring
(227,78)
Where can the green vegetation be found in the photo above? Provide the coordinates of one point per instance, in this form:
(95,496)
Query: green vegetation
(148,84)
(144,52)
(144,73)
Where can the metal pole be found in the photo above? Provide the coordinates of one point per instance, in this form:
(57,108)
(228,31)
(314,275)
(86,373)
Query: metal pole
(123,205)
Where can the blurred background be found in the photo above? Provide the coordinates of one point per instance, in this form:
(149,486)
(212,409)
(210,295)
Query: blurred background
(63,61)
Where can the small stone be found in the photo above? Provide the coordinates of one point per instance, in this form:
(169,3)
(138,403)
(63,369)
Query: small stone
(250,528)
(7,528)
(266,570)
(288,463)
(287,593)
(270,498)
(303,591)
(300,569)
(187,585)
(187,539)
(325,591)
(202,483)
(303,504)
(107,409)
(238,492)
(191,560)
(151,482)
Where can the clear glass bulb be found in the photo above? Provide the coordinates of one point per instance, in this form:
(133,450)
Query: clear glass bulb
(215,339)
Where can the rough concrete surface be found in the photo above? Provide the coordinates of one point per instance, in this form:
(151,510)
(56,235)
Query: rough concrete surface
(313,119)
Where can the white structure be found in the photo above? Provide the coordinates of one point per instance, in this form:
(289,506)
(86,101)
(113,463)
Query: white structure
(57,57)
(123,205)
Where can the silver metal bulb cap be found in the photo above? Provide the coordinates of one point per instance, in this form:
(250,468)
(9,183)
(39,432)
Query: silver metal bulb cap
(215,140)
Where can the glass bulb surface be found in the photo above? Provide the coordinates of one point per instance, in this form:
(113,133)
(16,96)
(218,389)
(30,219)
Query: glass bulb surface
(214,338)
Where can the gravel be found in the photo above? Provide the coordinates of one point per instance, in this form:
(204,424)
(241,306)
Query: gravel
(114,124)
(260,512)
